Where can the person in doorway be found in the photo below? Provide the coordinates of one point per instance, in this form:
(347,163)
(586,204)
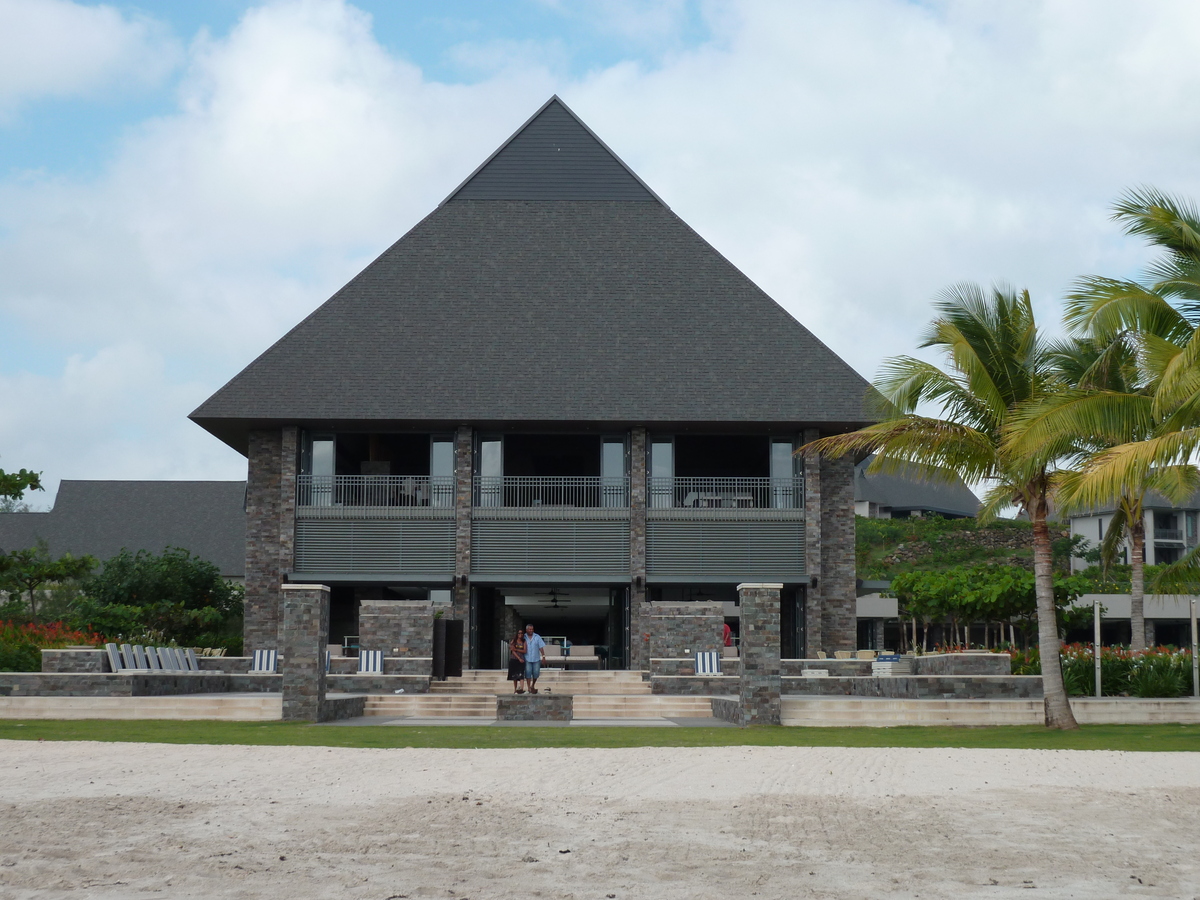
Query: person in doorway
(728,635)
(533,658)
(516,662)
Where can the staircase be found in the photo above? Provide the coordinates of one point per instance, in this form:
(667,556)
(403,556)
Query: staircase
(598,695)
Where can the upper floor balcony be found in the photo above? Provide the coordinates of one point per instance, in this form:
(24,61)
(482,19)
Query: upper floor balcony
(374,497)
(725,498)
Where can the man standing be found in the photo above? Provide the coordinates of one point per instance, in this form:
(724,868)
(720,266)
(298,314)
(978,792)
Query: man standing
(533,657)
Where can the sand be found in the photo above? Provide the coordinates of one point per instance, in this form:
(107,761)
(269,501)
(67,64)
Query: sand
(130,820)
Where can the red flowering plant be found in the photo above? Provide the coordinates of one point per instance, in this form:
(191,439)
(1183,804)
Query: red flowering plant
(21,643)
(1154,672)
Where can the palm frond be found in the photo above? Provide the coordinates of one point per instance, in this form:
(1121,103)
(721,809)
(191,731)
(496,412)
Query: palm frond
(1165,220)
(1107,308)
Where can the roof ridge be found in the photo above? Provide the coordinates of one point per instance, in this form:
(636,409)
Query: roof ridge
(554,100)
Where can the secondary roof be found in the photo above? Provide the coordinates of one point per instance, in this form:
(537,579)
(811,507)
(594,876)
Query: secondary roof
(551,287)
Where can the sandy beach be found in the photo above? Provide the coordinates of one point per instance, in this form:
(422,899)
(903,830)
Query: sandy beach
(124,820)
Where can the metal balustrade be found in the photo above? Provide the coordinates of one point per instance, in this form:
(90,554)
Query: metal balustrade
(524,492)
(394,491)
(1168,534)
(725,493)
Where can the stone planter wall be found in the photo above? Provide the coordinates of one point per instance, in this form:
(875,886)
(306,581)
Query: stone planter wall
(963,664)
(537,707)
(921,687)
(400,628)
(93,661)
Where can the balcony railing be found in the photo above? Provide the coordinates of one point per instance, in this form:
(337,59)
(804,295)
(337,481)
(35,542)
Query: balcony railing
(392,491)
(524,492)
(725,493)
(1168,534)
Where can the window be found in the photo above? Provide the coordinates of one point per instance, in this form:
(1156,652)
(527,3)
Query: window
(613,469)
(662,470)
(489,465)
(783,472)
(441,470)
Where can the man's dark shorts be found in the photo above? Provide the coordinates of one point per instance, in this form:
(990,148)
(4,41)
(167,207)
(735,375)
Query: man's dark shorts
(533,670)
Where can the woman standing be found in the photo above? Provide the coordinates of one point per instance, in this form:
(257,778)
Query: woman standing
(516,662)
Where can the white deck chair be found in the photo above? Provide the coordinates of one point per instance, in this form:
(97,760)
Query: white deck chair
(708,662)
(193,663)
(139,657)
(114,657)
(328,657)
(264,661)
(127,657)
(166,658)
(179,665)
(370,662)
(152,660)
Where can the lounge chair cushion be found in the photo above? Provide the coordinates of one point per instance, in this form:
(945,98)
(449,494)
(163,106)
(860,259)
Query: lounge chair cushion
(264,661)
(370,662)
(708,662)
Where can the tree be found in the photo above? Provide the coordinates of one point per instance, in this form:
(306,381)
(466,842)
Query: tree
(1110,403)
(13,486)
(1141,401)
(997,364)
(182,596)
(28,570)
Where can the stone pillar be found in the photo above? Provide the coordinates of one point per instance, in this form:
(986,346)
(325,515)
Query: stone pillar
(639,657)
(303,635)
(760,681)
(681,630)
(812,546)
(839,614)
(270,531)
(879,623)
(464,463)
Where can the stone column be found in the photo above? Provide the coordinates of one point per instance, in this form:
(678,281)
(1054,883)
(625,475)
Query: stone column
(760,681)
(638,645)
(303,635)
(270,531)
(812,546)
(464,470)
(400,628)
(839,616)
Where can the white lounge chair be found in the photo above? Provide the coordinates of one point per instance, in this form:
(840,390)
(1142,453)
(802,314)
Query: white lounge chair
(264,661)
(708,662)
(152,661)
(127,661)
(193,663)
(370,662)
(114,657)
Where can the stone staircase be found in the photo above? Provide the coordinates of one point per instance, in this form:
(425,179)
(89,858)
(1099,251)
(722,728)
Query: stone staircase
(597,695)
(555,681)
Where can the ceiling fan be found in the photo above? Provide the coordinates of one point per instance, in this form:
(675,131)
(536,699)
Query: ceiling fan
(553,594)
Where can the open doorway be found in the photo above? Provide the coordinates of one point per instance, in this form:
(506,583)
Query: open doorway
(585,616)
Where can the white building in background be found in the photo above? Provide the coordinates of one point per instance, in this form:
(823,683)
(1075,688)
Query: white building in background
(879,496)
(1170,530)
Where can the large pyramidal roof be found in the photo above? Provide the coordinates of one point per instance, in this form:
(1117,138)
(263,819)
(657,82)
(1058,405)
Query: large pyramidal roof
(551,287)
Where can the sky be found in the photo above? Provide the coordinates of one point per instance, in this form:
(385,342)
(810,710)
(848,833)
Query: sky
(182,182)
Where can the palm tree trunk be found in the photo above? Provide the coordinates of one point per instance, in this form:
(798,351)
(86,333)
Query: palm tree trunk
(1057,706)
(1137,584)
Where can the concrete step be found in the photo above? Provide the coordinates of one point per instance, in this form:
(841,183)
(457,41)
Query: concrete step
(454,705)
(883,713)
(669,706)
(234,707)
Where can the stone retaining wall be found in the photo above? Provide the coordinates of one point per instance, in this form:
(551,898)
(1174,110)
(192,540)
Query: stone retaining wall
(832,666)
(700,685)
(963,664)
(728,709)
(377,684)
(921,687)
(334,709)
(688,666)
(94,661)
(537,707)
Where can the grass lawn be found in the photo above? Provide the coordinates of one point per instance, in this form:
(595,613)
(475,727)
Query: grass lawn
(1089,737)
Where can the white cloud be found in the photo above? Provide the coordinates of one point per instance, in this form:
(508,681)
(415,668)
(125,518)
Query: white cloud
(55,48)
(853,159)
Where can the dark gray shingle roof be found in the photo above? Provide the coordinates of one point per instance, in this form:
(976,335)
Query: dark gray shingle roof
(99,518)
(553,156)
(898,492)
(544,311)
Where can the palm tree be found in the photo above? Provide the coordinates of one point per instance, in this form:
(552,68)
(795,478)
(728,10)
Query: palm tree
(997,364)
(1159,320)
(1110,403)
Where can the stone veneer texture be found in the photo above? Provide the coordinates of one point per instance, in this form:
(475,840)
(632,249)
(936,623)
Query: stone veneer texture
(839,621)
(539,707)
(681,630)
(760,682)
(400,628)
(270,531)
(302,650)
